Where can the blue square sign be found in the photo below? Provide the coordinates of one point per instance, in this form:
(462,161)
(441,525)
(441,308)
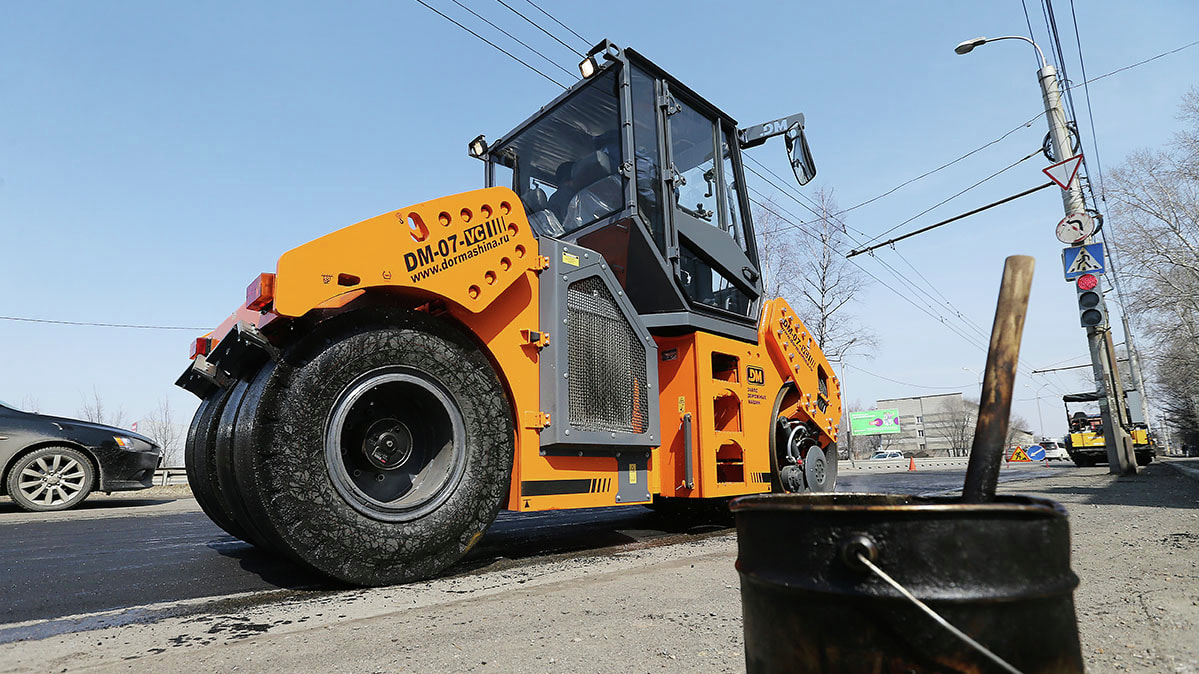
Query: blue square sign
(1079,260)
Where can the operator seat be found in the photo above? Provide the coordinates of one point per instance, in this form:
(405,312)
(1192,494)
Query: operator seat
(602,193)
(543,221)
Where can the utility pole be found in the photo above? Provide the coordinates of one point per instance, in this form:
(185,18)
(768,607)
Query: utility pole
(1107,376)
(1103,358)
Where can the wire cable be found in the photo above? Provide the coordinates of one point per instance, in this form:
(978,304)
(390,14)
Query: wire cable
(555,20)
(943,166)
(496,46)
(1134,65)
(904,383)
(513,37)
(955,196)
(538,27)
(102,325)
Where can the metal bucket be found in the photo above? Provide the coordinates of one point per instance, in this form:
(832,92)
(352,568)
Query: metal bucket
(998,571)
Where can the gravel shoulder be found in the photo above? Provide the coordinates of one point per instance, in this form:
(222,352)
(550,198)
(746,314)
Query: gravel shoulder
(632,608)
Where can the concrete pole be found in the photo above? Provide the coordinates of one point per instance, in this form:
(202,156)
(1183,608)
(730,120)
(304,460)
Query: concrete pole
(1111,404)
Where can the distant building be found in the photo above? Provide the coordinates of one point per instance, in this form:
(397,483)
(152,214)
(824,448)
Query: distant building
(936,425)
(1021,437)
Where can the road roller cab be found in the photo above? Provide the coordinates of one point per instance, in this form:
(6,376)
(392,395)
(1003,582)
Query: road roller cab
(587,330)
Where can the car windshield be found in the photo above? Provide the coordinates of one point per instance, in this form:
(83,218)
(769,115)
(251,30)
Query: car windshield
(10,406)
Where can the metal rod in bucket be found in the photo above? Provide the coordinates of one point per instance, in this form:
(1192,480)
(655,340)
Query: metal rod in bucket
(990,433)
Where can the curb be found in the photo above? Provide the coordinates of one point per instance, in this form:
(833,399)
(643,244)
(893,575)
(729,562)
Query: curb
(1188,471)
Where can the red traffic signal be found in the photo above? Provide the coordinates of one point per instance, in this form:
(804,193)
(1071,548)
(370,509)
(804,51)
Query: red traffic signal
(1088,282)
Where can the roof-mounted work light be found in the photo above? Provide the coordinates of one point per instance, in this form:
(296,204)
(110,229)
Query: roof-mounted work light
(477,148)
(590,64)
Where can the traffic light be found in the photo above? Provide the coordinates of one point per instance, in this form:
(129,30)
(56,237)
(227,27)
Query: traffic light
(1091,312)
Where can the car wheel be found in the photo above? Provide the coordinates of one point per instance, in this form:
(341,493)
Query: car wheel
(820,472)
(51,478)
(382,457)
(199,462)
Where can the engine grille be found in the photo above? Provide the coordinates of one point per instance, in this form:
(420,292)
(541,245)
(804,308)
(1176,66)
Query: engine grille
(606,360)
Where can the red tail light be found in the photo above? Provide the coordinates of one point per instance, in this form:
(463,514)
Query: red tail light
(260,292)
(202,346)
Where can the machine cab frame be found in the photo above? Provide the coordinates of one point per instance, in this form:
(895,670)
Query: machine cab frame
(635,165)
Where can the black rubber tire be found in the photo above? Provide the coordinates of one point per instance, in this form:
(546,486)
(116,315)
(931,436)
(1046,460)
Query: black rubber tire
(231,496)
(778,438)
(281,457)
(15,474)
(1083,461)
(1144,459)
(820,475)
(198,455)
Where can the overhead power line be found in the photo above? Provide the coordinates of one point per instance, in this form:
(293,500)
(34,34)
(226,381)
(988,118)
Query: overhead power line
(942,166)
(955,196)
(101,325)
(555,20)
(904,383)
(1134,65)
(494,45)
(518,40)
(955,218)
(538,27)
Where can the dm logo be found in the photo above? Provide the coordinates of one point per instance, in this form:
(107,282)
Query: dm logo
(755,375)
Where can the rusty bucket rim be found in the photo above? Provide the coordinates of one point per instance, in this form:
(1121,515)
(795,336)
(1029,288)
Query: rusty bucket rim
(1011,504)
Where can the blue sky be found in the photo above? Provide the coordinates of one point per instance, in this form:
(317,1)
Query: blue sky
(154,157)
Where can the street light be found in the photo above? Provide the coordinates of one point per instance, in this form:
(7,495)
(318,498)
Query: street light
(980,379)
(1040,421)
(969,45)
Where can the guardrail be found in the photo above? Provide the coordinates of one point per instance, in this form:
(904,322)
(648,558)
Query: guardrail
(170,476)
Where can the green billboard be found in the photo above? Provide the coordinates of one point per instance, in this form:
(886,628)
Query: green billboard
(876,422)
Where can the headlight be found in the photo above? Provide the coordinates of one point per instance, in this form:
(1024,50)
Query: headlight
(125,443)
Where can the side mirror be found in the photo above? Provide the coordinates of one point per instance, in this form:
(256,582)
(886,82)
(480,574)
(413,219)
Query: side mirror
(799,154)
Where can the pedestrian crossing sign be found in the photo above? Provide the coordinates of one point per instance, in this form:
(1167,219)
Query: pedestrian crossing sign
(1079,260)
(1018,455)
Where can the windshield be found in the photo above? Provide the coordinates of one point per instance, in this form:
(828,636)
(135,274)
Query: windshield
(565,166)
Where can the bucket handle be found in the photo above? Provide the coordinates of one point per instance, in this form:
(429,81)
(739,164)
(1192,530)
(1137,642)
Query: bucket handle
(864,553)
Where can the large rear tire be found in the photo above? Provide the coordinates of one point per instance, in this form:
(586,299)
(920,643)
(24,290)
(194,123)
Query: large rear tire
(198,454)
(229,487)
(379,455)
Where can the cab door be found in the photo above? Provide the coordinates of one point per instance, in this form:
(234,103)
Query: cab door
(715,260)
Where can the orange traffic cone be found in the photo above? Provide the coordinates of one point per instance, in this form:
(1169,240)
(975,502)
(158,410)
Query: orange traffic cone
(911,463)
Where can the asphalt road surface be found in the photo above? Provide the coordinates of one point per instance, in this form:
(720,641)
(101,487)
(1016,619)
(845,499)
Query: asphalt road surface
(125,552)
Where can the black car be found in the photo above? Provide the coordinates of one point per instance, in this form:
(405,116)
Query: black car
(53,463)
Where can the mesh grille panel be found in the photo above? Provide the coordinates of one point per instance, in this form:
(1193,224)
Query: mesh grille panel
(606,361)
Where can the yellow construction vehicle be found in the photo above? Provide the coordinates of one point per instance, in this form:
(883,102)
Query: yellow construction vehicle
(588,330)
(1085,441)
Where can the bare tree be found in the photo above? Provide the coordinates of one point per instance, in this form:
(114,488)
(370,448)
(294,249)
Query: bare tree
(806,265)
(161,427)
(1016,426)
(95,411)
(953,423)
(30,403)
(1155,213)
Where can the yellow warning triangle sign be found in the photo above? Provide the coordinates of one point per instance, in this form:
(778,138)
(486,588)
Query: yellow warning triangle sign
(1019,455)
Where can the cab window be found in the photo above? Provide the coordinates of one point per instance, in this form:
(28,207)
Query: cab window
(565,166)
(692,138)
